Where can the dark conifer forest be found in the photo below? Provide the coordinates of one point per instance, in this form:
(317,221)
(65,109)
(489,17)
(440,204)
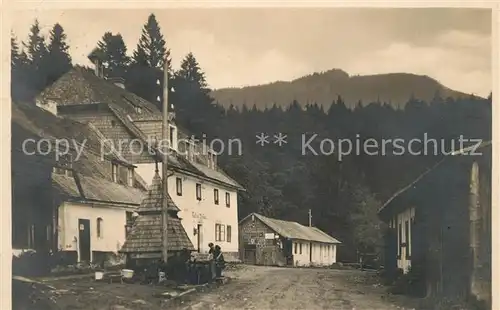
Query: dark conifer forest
(344,193)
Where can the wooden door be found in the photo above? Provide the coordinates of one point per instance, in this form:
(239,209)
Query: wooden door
(84,240)
(199,235)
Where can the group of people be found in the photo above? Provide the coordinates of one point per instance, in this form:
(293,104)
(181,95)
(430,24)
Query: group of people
(183,267)
(217,263)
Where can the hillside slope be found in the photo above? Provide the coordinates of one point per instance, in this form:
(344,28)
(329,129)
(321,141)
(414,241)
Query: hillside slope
(323,88)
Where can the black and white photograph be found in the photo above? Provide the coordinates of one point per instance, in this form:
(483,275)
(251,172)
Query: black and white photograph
(227,158)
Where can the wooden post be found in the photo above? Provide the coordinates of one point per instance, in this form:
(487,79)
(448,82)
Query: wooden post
(164,151)
(474,217)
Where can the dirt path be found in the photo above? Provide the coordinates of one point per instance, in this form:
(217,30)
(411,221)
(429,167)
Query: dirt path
(251,287)
(285,288)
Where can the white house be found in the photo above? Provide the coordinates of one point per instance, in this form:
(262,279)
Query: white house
(77,204)
(268,241)
(206,196)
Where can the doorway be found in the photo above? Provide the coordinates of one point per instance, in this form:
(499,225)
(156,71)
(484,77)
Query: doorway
(199,235)
(84,240)
(310,252)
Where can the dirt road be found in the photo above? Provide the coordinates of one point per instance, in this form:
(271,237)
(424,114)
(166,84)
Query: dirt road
(251,287)
(254,287)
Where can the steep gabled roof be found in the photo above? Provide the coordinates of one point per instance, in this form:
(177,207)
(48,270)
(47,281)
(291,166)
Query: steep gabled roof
(87,189)
(146,233)
(90,180)
(413,184)
(82,86)
(294,230)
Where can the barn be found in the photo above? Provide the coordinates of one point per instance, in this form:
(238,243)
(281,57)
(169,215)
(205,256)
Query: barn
(273,242)
(440,228)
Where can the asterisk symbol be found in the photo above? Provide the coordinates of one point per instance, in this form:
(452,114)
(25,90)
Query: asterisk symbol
(280,139)
(262,139)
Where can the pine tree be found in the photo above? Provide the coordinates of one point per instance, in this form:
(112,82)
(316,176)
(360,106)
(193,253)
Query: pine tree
(14,51)
(36,67)
(114,52)
(36,47)
(191,73)
(147,63)
(151,50)
(18,62)
(58,55)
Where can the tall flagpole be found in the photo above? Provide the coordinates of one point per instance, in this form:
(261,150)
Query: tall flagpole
(164,149)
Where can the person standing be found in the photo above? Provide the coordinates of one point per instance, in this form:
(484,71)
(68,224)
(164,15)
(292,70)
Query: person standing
(220,264)
(211,259)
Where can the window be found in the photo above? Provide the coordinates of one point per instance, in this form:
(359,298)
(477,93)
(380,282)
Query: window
(295,248)
(400,241)
(300,248)
(407,239)
(219,232)
(228,239)
(130,176)
(114,172)
(216,196)
(31,236)
(178,184)
(198,191)
(138,109)
(99,227)
(172,135)
(228,200)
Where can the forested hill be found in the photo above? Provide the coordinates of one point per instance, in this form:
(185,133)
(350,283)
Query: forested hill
(394,89)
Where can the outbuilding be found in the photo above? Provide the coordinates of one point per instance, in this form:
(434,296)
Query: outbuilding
(274,242)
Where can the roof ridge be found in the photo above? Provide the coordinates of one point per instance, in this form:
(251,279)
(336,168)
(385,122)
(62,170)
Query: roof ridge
(462,151)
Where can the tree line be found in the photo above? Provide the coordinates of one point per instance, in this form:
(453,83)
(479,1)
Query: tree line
(344,194)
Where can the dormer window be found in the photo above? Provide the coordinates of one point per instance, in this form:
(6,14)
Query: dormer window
(64,165)
(211,160)
(138,110)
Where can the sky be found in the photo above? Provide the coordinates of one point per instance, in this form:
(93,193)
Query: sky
(239,47)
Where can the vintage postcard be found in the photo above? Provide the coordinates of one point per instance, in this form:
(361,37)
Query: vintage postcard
(252,158)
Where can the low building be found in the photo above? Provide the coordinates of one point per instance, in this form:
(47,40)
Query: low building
(273,242)
(68,197)
(440,228)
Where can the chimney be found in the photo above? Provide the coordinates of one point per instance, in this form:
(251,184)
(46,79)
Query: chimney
(118,81)
(95,58)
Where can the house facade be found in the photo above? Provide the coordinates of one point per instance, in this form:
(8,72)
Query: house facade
(440,228)
(68,198)
(273,242)
(206,196)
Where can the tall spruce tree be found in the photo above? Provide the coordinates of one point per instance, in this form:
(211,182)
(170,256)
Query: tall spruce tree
(147,63)
(59,59)
(151,49)
(190,72)
(18,70)
(37,60)
(114,51)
